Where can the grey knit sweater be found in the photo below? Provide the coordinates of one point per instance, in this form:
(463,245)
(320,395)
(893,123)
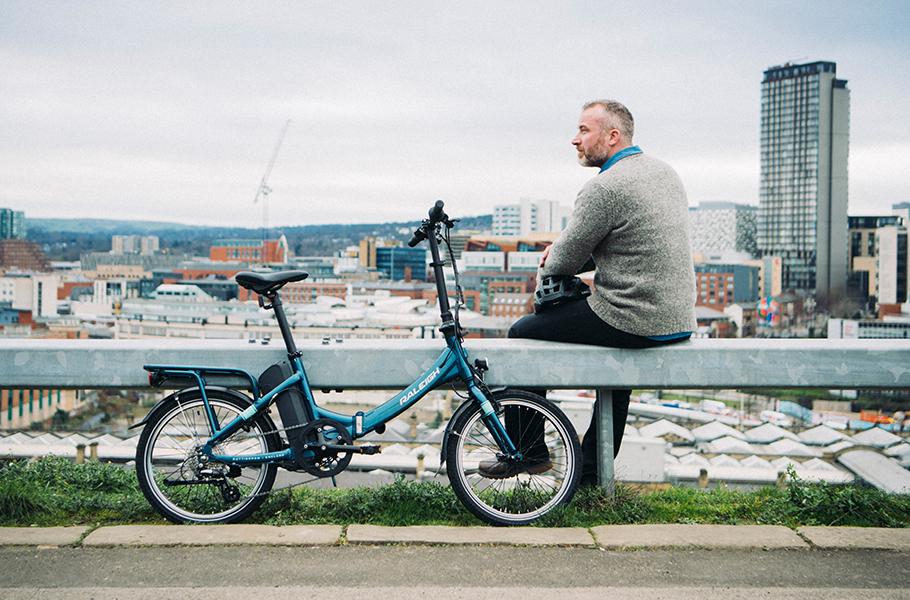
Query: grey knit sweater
(632,219)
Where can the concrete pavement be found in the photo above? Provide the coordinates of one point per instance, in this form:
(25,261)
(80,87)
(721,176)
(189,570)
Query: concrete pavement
(613,537)
(423,592)
(444,572)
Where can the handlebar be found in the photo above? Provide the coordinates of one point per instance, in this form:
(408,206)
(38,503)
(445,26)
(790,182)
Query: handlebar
(437,215)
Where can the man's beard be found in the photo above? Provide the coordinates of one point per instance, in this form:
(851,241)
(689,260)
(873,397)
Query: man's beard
(595,157)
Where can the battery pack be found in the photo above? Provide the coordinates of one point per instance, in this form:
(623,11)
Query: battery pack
(291,402)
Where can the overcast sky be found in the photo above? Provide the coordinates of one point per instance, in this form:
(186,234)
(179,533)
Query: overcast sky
(170,111)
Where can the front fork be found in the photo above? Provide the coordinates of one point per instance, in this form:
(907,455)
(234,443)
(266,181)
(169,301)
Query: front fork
(494,425)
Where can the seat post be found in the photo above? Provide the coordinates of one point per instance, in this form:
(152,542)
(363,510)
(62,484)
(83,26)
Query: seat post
(283,325)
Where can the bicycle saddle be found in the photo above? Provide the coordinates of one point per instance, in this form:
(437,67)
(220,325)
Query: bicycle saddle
(263,283)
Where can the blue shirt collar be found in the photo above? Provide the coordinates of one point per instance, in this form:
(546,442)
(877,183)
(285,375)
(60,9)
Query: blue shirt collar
(631,150)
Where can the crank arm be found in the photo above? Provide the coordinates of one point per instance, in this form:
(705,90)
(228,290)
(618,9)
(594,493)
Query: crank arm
(365,449)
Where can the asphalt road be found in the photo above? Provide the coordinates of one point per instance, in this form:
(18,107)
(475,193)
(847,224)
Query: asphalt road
(440,573)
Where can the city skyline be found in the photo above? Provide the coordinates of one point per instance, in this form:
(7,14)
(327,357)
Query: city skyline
(171,115)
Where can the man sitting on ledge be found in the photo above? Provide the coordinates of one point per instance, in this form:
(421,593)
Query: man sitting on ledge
(630,223)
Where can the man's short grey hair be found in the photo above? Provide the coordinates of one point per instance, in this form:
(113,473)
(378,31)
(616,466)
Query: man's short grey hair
(618,116)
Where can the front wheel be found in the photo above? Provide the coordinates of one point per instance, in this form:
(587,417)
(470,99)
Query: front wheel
(504,491)
(185,489)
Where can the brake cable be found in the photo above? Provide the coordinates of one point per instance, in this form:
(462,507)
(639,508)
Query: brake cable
(459,292)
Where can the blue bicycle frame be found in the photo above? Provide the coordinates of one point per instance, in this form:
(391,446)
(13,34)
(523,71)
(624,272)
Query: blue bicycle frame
(452,364)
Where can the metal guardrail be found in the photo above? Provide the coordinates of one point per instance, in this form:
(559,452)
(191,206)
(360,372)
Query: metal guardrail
(387,364)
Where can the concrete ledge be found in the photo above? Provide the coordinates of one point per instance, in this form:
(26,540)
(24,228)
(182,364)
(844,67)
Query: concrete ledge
(40,536)
(512,536)
(696,536)
(213,535)
(858,538)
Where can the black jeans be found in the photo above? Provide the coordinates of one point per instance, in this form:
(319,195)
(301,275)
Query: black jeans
(575,322)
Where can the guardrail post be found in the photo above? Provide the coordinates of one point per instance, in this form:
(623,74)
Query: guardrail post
(419,469)
(603,407)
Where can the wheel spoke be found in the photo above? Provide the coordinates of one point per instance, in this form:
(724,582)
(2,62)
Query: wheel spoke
(518,493)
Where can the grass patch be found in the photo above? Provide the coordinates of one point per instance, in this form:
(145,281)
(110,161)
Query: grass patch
(54,491)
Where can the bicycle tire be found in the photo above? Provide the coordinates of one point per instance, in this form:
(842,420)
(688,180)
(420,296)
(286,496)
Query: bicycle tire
(166,466)
(522,497)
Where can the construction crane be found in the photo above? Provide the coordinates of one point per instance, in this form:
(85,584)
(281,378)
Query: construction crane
(264,190)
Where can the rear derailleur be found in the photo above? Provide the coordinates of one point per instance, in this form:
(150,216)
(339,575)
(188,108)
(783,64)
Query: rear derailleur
(205,473)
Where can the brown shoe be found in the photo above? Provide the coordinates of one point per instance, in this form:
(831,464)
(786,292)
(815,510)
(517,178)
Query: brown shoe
(503,469)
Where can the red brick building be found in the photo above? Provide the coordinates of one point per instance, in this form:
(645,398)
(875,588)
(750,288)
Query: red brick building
(715,290)
(305,292)
(23,255)
(251,251)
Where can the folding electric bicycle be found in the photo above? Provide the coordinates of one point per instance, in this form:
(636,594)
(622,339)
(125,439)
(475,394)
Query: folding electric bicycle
(210,453)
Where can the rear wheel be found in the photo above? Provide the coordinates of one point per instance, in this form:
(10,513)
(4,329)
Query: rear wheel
(504,492)
(185,488)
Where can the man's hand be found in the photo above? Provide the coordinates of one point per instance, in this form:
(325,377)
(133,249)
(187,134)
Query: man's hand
(543,257)
(543,260)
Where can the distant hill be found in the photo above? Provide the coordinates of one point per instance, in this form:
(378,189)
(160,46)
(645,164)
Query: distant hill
(106,226)
(67,239)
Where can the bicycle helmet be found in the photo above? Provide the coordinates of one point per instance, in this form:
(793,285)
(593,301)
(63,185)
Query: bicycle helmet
(554,290)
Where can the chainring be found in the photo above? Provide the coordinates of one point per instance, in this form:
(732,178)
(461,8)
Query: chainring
(312,454)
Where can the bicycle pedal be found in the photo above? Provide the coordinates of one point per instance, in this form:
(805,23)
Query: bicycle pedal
(370,449)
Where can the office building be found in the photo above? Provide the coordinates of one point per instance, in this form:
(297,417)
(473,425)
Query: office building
(863,255)
(367,250)
(769,275)
(802,216)
(529,216)
(402,263)
(36,293)
(868,329)
(891,265)
(723,230)
(720,285)
(902,210)
(507,219)
(12,224)
(146,245)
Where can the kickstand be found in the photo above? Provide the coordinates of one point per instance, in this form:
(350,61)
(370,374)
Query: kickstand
(334,483)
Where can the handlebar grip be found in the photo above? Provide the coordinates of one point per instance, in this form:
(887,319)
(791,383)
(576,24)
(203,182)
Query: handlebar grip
(418,237)
(436,213)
